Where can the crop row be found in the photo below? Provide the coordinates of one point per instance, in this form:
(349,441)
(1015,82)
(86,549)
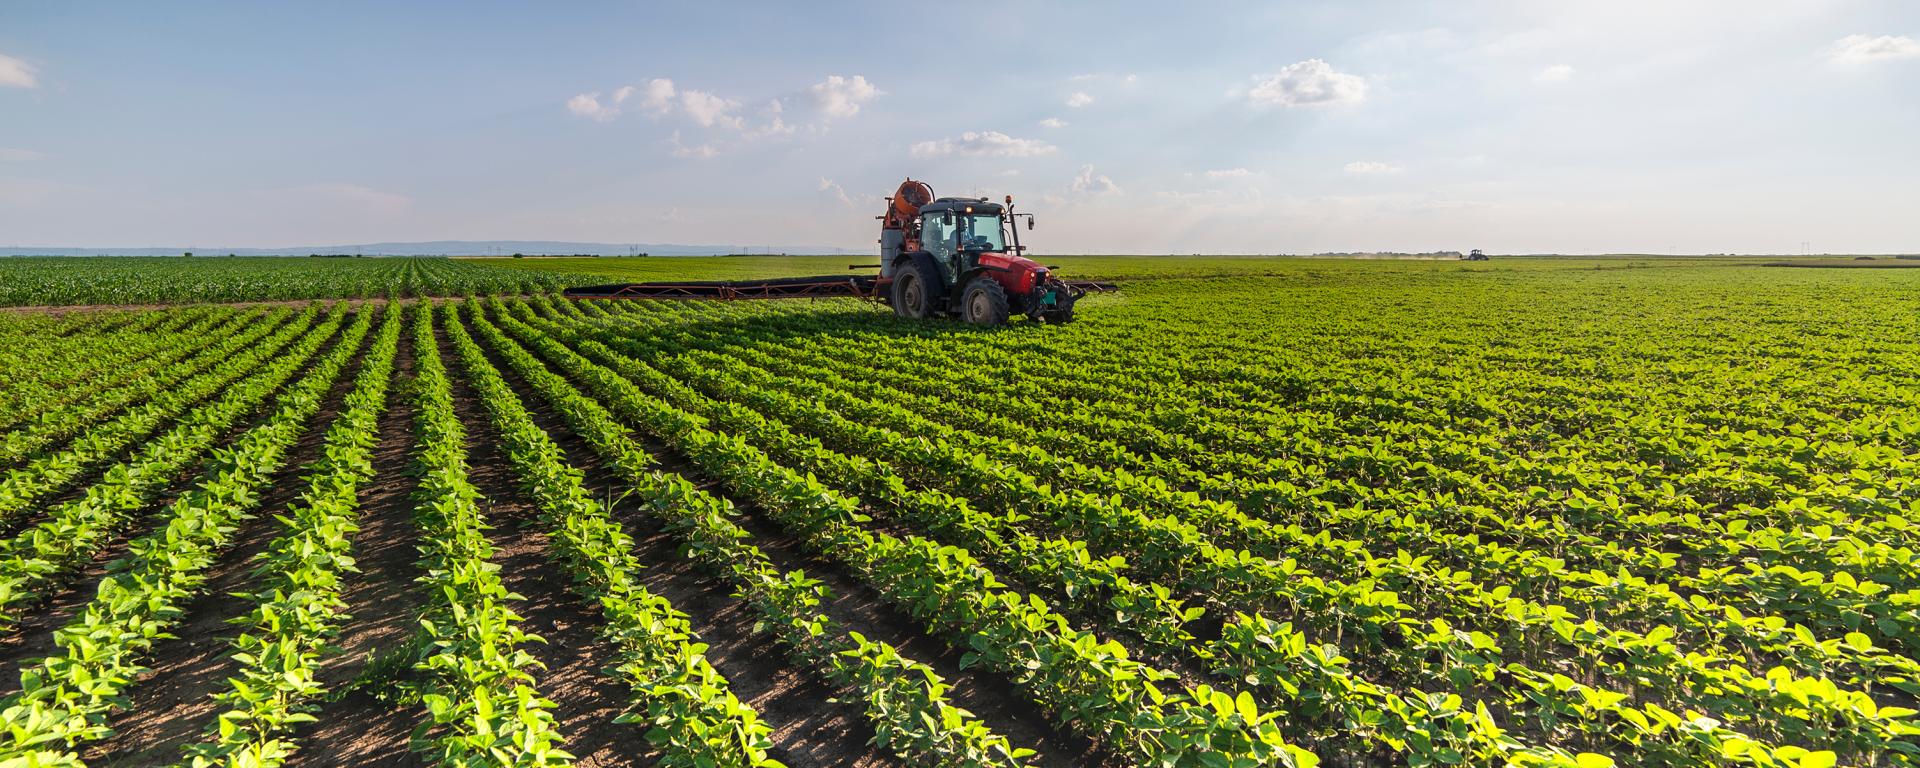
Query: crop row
(49,473)
(64,699)
(479,689)
(1088,683)
(1891,728)
(74,531)
(1847,654)
(297,605)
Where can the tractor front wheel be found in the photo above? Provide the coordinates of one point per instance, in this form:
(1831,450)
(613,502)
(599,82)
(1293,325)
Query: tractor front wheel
(984,302)
(913,292)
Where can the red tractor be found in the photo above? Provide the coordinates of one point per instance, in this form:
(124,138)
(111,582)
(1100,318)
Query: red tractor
(939,257)
(963,257)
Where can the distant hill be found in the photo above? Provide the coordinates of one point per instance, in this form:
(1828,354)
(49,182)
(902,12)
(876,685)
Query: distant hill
(447,248)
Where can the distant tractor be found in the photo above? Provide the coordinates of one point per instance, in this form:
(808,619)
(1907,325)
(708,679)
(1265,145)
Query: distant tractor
(1475,255)
(939,257)
(961,256)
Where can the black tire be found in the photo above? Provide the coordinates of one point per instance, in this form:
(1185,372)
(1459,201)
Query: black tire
(984,302)
(915,292)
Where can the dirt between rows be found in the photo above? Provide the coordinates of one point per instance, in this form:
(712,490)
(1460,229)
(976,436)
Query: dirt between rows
(719,618)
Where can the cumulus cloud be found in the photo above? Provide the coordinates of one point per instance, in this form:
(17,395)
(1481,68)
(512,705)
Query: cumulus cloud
(15,73)
(1229,173)
(1093,184)
(984,144)
(1309,83)
(588,105)
(1558,73)
(1372,168)
(776,123)
(1852,49)
(843,96)
(709,110)
(1053,122)
(658,98)
(1079,99)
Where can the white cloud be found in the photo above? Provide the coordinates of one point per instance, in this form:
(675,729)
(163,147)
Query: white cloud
(709,110)
(659,96)
(1053,122)
(622,94)
(1079,99)
(1082,77)
(1852,49)
(14,155)
(843,96)
(1558,73)
(15,73)
(1372,168)
(588,105)
(1229,173)
(776,125)
(828,185)
(1092,184)
(697,151)
(1309,83)
(1130,79)
(983,143)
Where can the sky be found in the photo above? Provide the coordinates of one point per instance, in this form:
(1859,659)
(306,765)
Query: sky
(1517,126)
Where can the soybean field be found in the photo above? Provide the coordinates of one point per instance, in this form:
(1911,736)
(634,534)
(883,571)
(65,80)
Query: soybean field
(1244,512)
(64,281)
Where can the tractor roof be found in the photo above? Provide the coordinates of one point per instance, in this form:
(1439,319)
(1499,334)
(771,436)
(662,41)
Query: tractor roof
(961,204)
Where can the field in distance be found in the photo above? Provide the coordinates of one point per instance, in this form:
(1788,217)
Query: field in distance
(1629,511)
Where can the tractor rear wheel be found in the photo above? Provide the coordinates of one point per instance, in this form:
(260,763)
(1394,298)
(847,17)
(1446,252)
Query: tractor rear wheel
(984,302)
(913,292)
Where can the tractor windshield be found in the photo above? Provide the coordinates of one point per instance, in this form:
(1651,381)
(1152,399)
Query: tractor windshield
(982,232)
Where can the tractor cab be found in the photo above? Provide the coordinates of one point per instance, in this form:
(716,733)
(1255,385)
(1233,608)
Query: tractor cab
(956,232)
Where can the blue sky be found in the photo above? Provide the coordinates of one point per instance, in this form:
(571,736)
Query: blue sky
(1628,125)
